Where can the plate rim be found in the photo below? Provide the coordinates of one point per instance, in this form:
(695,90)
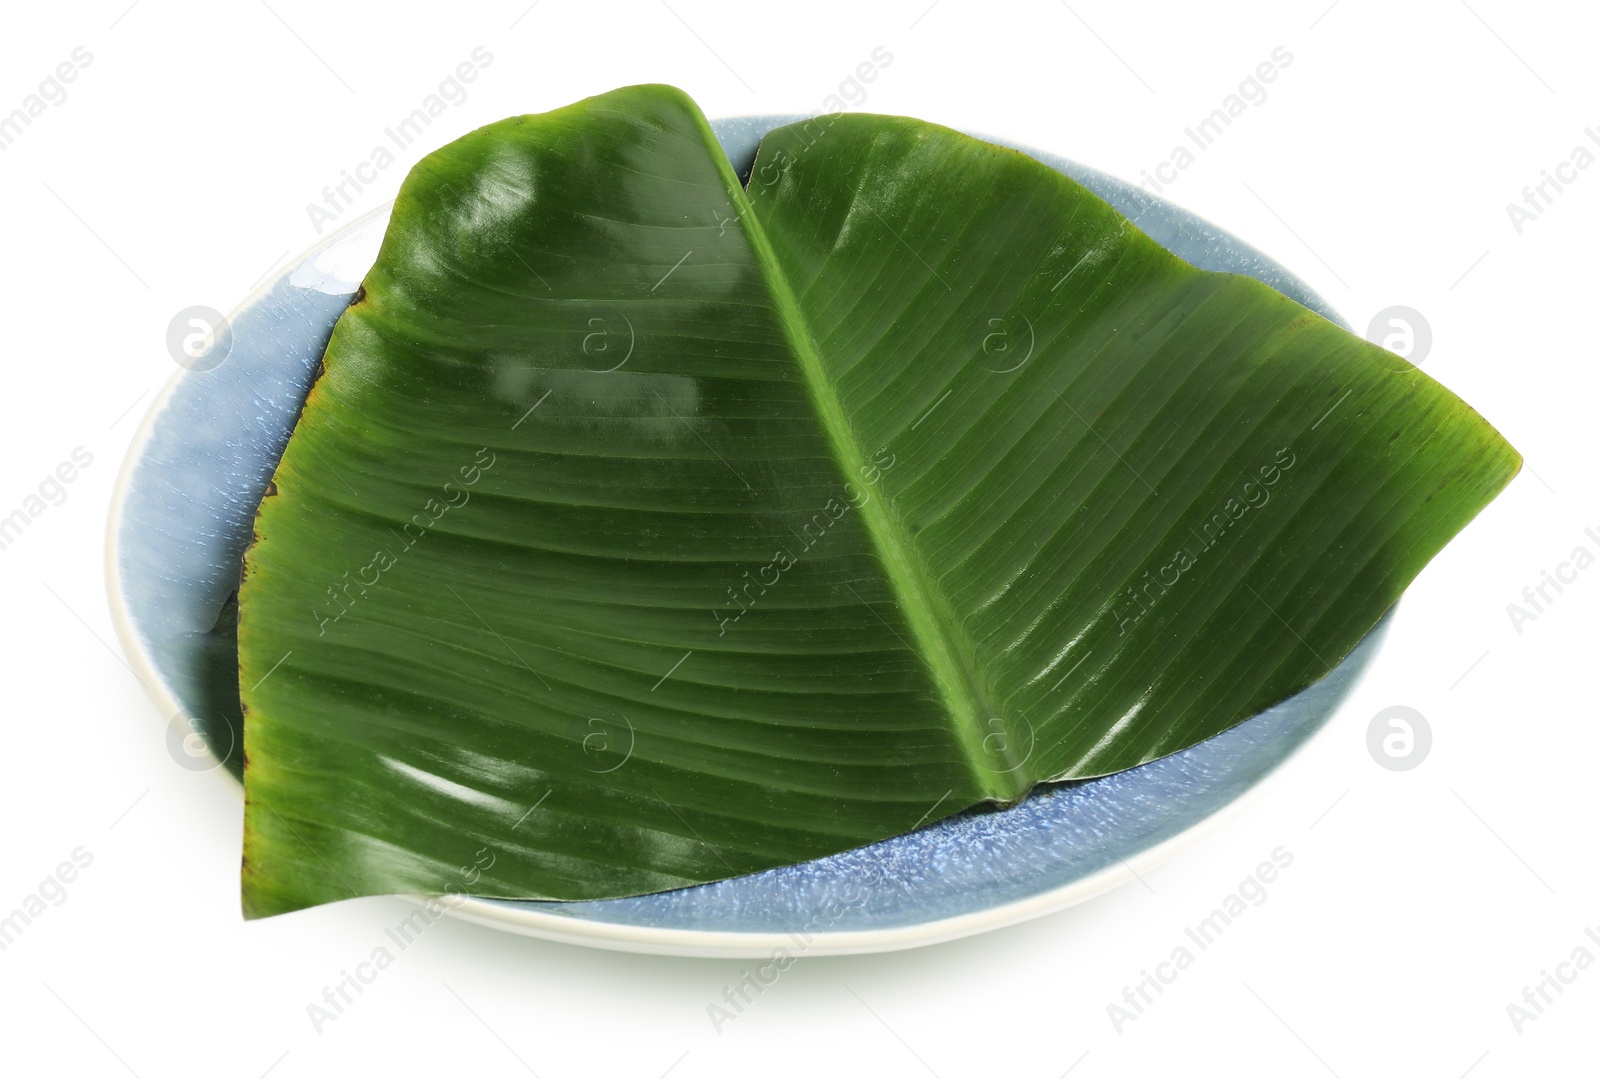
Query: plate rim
(138,657)
(654,940)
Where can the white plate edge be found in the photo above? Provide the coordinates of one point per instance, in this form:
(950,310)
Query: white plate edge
(691,943)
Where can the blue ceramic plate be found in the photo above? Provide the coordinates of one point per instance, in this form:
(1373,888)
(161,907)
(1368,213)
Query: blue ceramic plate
(181,518)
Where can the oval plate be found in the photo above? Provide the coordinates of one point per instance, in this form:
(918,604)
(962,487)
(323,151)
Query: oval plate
(182,515)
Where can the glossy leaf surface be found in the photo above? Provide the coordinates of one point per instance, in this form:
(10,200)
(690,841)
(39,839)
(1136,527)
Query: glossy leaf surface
(642,531)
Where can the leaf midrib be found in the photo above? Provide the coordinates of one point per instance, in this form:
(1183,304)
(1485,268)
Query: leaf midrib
(926,610)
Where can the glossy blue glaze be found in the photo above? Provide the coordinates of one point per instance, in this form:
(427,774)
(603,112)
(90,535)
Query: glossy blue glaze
(212,443)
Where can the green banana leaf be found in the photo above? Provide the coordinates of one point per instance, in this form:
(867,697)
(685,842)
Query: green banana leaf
(642,530)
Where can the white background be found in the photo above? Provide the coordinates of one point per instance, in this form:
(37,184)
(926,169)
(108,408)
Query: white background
(1419,904)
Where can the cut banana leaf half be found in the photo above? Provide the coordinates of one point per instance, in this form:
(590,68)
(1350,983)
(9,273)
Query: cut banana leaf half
(642,530)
